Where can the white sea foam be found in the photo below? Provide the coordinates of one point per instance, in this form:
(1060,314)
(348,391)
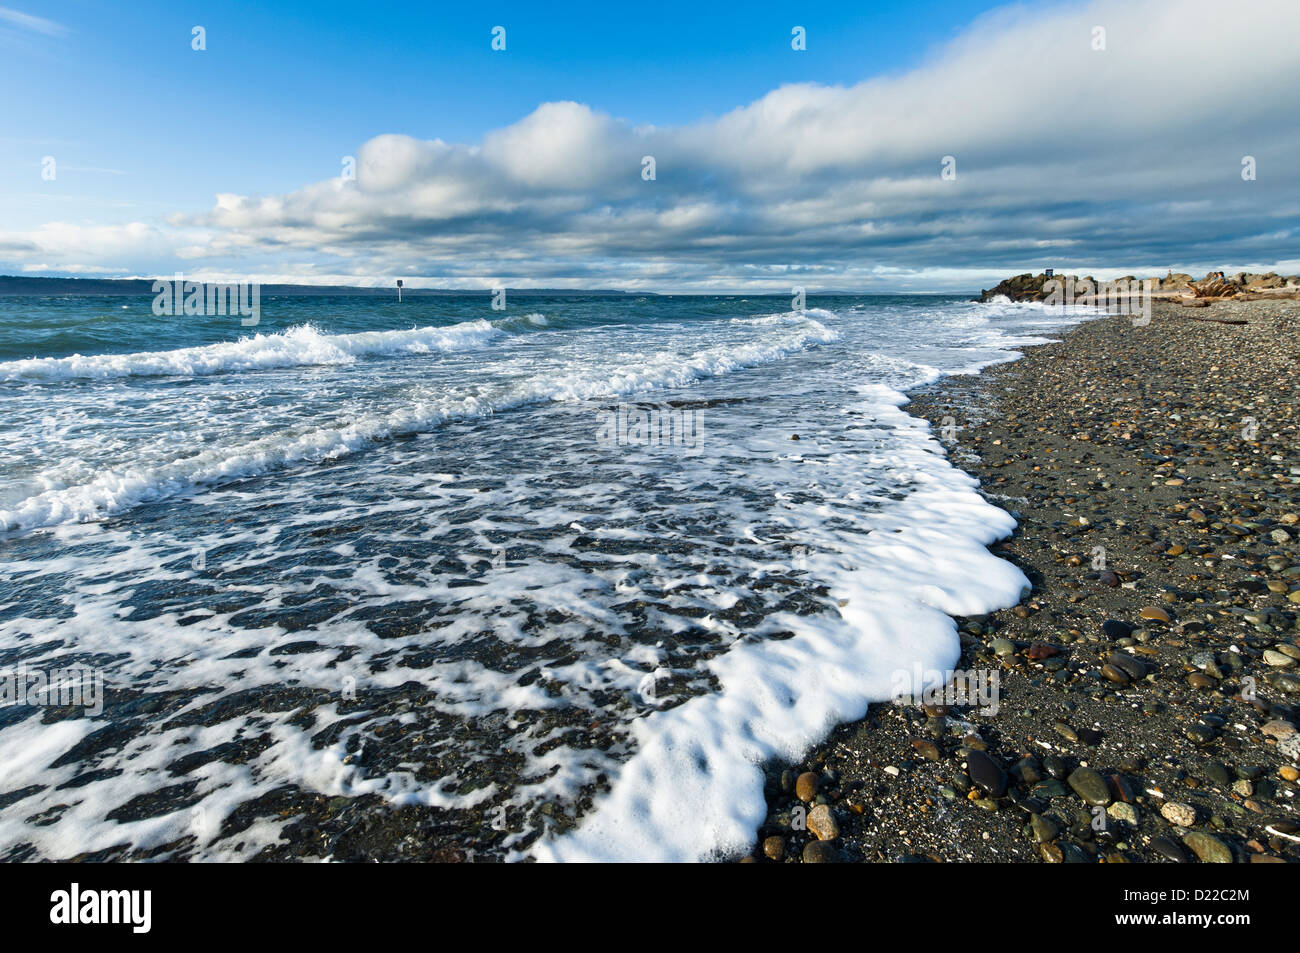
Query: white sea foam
(613,553)
(420,408)
(299,346)
(693,790)
(787,317)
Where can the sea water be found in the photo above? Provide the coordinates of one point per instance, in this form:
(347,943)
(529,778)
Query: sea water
(577,569)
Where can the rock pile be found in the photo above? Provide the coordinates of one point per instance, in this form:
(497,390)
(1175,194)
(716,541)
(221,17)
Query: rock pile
(1031,287)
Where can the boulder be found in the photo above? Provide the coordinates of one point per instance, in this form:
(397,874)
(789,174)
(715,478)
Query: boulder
(1261,282)
(1026,287)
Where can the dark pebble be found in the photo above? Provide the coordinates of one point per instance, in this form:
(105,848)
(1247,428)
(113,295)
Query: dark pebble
(1170,849)
(820,852)
(1114,629)
(1090,786)
(986,773)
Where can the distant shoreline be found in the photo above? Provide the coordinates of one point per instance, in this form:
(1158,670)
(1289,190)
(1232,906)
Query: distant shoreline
(15,285)
(103,287)
(1023,287)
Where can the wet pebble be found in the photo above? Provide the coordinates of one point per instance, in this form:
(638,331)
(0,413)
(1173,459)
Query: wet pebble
(774,848)
(1003,647)
(820,852)
(1090,786)
(805,786)
(1126,813)
(1169,848)
(1065,731)
(1208,848)
(1042,829)
(1114,629)
(986,773)
(926,749)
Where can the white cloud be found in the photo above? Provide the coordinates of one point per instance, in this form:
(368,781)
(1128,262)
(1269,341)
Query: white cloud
(1065,155)
(27,21)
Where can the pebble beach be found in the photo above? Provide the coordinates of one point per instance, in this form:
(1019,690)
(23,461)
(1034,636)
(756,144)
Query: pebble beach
(1150,679)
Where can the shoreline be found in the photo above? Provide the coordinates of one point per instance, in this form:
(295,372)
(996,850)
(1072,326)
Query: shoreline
(1149,683)
(898,783)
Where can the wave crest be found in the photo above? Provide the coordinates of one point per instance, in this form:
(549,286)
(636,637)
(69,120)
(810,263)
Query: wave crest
(301,346)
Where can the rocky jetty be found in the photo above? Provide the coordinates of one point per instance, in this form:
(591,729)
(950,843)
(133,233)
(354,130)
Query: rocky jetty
(1026,287)
(1215,285)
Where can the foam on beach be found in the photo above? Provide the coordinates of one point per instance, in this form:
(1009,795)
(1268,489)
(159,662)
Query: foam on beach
(693,790)
(468,617)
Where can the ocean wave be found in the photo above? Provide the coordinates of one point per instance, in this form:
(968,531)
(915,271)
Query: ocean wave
(522,322)
(113,491)
(813,315)
(300,346)
(1002,305)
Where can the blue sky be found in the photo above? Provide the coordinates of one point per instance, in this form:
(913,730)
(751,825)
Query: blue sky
(147,132)
(284,89)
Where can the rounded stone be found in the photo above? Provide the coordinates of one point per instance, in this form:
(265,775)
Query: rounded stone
(821,821)
(1208,848)
(1090,786)
(1178,813)
(820,852)
(1277,659)
(805,786)
(774,848)
(1126,813)
(986,773)
(1041,829)
(1113,674)
(1114,629)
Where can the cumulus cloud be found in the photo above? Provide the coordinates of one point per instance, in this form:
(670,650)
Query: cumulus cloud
(1126,157)
(75,247)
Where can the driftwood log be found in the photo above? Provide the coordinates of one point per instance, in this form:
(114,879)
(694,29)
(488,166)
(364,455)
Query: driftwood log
(1197,317)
